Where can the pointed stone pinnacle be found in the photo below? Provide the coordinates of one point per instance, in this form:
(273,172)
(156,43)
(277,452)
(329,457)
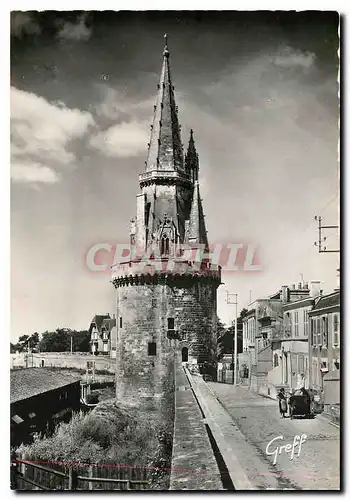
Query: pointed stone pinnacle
(166,50)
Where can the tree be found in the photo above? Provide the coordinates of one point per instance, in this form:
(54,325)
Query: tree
(58,341)
(26,342)
(227,337)
(21,345)
(81,341)
(33,341)
(220,329)
(243,313)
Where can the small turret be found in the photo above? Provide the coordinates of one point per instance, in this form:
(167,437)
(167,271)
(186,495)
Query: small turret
(196,227)
(191,159)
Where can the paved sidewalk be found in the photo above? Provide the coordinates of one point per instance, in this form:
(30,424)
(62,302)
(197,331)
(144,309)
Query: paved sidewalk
(193,465)
(258,420)
(248,469)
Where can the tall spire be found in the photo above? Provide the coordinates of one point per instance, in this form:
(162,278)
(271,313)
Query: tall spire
(191,159)
(165,147)
(196,228)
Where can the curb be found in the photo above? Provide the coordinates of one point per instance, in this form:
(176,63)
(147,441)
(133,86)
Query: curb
(236,472)
(328,420)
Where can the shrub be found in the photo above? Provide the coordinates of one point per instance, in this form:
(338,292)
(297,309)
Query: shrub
(107,434)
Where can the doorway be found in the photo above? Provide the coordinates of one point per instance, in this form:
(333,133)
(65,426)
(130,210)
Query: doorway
(184,354)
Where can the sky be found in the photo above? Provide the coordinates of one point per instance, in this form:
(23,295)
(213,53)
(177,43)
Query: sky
(260,91)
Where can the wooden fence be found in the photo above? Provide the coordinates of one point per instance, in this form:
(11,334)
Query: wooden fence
(26,475)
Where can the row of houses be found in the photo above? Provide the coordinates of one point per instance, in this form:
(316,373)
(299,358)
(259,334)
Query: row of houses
(292,339)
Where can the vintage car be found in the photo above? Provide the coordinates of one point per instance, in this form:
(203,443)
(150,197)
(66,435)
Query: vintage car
(300,404)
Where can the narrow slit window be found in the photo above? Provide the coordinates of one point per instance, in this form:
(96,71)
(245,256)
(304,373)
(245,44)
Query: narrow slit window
(171,323)
(152,349)
(120,322)
(164,250)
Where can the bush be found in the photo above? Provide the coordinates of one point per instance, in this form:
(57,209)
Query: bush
(107,434)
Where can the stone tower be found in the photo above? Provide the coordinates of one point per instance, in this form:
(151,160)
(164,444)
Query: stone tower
(166,291)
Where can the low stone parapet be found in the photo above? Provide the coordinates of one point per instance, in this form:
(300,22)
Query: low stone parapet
(163,270)
(63,360)
(194,466)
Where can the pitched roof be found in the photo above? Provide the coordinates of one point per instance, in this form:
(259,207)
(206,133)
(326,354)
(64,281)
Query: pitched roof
(330,300)
(98,319)
(29,382)
(108,323)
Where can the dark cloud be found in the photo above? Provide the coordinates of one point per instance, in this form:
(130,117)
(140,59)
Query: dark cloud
(24,23)
(74,30)
(72,25)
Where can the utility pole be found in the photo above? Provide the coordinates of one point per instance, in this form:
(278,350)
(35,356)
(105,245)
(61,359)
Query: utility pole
(230,301)
(322,239)
(71,343)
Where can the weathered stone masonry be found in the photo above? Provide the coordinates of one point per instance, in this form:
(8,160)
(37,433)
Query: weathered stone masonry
(166,303)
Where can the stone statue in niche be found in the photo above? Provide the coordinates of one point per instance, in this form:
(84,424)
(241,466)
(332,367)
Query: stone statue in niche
(166,236)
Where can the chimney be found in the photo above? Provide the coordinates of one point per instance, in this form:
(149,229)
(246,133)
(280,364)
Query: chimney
(284,294)
(315,288)
(299,286)
(292,287)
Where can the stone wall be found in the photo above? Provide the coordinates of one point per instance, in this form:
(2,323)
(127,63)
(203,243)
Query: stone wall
(63,360)
(147,311)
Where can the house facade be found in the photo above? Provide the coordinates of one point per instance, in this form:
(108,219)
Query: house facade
(101,336)
(248,357)
(290,352)
(324,347)
(276,337)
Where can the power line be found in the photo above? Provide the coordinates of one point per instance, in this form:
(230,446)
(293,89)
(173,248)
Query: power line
(296,242)
(322,239)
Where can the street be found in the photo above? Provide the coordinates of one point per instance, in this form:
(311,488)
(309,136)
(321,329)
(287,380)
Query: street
(258,422)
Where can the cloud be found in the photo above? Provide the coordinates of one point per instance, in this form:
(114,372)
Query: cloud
(41,132)
(125,123)
(122,140)
(75,31)
(117,105)
(31,172)
(292,58)
(23,23)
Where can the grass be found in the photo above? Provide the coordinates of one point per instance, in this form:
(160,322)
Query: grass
(112,434)
(108,435)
